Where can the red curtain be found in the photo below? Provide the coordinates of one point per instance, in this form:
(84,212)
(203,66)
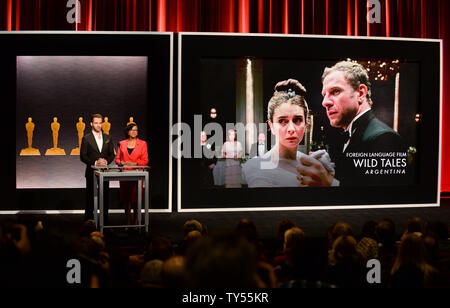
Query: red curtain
(399,18)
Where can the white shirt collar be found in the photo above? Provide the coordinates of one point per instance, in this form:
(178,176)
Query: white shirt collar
(356,118)
(98,141)
(96,134)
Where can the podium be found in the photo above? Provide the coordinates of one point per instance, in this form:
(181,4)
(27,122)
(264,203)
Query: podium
(115,173)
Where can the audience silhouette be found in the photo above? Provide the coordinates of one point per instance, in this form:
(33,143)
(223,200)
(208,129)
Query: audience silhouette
(31,254)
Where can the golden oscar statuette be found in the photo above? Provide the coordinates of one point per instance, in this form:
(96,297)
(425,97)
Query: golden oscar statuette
(106,126)
(131,121)
(80,129)
(29,126)
(55,129)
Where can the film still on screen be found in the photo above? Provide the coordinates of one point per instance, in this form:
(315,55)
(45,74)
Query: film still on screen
(341,143)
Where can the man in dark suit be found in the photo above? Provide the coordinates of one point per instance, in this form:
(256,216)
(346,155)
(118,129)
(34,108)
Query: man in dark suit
(259,148)
(206,163)
(96,149)
(347,99)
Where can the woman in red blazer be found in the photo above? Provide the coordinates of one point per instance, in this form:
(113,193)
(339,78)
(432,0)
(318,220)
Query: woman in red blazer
(132,152)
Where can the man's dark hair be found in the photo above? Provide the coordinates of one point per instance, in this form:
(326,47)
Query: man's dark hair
(385,231)
(96,115)
(414,225)
(160,248)
(192,225)
(368,229)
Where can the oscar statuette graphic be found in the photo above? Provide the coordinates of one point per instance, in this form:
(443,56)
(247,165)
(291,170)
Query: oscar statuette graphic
(29,126)
(106,126)
(131,121)
(80,129)
(55,129)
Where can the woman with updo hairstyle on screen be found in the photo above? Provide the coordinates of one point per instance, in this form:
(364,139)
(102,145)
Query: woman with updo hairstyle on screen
(287,115)
(132,152)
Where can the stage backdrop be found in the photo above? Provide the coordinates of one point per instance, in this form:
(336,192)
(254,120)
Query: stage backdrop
(70,87)
(397,18)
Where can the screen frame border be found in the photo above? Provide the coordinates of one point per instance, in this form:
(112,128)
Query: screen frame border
(302,208)
(13,51)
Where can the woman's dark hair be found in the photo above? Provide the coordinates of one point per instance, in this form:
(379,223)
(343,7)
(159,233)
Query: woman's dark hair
(128,128)
(288,91)
(344,248)
(247,229)
(339,229)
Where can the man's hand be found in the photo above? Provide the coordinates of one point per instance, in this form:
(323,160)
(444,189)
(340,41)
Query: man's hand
(101,162)
(312,173)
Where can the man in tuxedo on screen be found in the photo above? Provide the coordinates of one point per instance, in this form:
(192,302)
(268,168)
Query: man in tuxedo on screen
(259,148)
(96,149)
(347,98)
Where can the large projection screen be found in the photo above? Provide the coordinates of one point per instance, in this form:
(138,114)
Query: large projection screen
(227,80)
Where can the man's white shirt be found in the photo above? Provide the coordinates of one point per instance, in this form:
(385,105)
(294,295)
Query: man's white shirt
(261,149)
(98,139)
